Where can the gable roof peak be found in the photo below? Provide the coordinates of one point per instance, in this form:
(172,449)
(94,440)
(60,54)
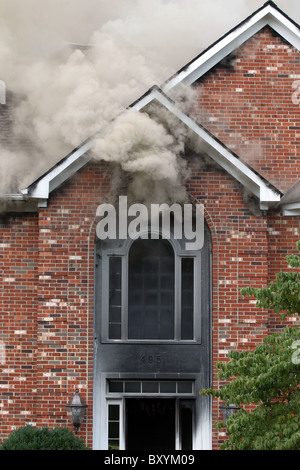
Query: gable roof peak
(267,15)
(273,4)
(267,194)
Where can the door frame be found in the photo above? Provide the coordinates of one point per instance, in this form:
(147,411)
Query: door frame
(201,409)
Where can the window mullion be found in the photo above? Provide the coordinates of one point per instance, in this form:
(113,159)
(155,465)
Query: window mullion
(187,298)
(177,303)
(124,310)
(197,299)
(105,298)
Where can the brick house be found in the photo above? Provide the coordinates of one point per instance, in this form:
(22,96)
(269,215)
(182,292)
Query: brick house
(60,330)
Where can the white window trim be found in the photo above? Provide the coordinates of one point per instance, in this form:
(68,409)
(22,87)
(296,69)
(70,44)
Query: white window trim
(120,403)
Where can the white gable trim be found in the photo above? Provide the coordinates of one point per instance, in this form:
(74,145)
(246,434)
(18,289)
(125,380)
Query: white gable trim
(290,203)
(268,15)
(267,195)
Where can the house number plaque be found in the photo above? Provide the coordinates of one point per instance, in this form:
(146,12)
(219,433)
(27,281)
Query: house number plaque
(150,359)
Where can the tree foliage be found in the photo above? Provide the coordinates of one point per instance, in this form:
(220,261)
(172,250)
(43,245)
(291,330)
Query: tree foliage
(267,377)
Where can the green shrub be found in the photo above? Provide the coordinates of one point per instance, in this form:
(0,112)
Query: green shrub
(32,438)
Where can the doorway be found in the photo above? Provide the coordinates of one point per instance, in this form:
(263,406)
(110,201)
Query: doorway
(159,423)
(160,364)
(150,424)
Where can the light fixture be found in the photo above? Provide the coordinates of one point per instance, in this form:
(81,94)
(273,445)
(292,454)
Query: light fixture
(228,410)
(77,409)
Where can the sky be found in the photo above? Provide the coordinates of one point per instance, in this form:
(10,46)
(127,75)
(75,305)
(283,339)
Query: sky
(172,30)
(65,96)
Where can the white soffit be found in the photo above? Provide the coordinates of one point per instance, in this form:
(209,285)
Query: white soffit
(291,209)
(269,15)
(290,203)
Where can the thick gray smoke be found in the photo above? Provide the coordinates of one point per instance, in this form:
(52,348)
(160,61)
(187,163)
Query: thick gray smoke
(63,95)
(146,150)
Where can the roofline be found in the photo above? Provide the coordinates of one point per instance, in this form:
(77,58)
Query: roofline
(267,194)
(269,14)
(60,164)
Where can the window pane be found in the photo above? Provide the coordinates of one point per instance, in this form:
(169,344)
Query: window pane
(151,299)
(168,387)
(113,427)
(167,323)
(113,444)
(113,430)
(113,413)
(150,387)
(115,298)
(115,386)
(185,387)
(187,298)
(186,424)
(114,331)
(131,387)
(115,315)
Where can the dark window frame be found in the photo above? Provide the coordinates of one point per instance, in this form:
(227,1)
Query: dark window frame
(121,249)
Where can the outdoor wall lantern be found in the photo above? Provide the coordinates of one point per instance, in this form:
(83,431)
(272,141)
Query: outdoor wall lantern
(228,410)
(76,410)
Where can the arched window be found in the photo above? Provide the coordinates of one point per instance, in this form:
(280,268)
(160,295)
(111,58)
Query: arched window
(150,291)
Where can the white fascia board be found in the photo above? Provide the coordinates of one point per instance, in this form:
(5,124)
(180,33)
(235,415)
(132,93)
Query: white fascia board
(57,175)
(285,28)
(291,209)
(16,203)
(218,152)
(268,196)
(268,16)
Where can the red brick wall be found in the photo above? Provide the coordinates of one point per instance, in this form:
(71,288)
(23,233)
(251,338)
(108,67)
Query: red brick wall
(247,102)
(46,298)
(18,310)
(66,293)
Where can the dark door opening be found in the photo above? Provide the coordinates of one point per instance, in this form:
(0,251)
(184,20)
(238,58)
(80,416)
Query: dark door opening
(150,424)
